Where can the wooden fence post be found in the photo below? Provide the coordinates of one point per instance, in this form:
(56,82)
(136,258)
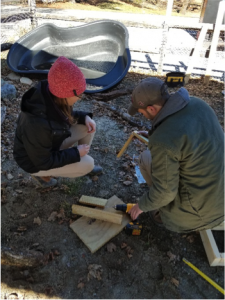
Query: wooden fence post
(216,34)
(164,36)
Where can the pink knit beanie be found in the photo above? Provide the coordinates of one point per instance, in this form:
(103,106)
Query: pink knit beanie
(64,77)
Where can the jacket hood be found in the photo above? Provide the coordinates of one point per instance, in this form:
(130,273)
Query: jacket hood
(33,101)
(176,102)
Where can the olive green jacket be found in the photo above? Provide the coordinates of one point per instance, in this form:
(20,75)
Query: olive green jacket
(187,148)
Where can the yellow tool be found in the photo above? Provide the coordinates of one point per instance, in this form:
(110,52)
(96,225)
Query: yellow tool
(204,276)
(124,207)
(134,227)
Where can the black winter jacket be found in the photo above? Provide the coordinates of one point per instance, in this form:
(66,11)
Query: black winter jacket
(41,129)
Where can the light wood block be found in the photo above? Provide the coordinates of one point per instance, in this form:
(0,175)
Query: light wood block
(214,256)
(93,201)
(97,214)
(96,234)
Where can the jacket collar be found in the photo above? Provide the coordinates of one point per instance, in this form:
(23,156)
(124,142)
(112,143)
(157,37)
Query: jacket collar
(175,103)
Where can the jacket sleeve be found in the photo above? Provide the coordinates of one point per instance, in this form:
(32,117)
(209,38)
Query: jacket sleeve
(165,179)
(37,140)
(80,116)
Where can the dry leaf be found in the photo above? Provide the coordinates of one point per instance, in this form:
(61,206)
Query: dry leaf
(53,216)
(61,214)
(95,271)
(171,256)
(123,245)
(129,255)
(190,238)
(129,250)
(175,282)
(37,221)
(56,252)
(22,228)
(111,247)
(95,178)
(80,285)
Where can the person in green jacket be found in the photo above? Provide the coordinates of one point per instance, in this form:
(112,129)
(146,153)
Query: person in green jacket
(184,165)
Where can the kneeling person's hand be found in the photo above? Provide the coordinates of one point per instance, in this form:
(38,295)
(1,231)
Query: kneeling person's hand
(134,212)
(83,149)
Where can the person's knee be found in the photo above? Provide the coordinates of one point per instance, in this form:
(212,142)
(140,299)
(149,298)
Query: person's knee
(90,164)
(145,159)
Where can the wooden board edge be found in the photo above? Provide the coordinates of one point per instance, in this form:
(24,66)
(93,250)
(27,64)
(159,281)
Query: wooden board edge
(93,201)
(215,258)
(221,226)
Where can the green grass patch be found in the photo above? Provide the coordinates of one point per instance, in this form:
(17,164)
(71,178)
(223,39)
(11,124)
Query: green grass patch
(73,187)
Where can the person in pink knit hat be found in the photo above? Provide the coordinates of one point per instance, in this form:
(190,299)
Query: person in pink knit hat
(48,128)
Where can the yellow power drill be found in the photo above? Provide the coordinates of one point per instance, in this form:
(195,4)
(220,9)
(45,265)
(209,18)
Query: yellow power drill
(133,228)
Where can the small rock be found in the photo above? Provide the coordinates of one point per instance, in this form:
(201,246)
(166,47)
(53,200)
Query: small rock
(13,76)
(26,80)
(8,91)
(9,176)
(103,194)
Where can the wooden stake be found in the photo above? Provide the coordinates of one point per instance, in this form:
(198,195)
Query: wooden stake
(133,134)
(97,214)
(125,145)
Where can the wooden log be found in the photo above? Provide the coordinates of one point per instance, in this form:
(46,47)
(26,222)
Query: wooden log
(122,114)
(23,258)
(97,214)
(112,95)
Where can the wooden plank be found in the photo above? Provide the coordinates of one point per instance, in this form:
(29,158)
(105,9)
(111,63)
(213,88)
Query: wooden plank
(95,234)
(97,214)
(216,34)
(195,54)
(93,201)
(210,246)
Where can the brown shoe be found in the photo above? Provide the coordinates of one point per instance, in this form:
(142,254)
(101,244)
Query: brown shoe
(155,216)
(44,182)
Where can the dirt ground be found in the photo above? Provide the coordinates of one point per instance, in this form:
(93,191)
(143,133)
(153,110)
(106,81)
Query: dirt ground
(150,266)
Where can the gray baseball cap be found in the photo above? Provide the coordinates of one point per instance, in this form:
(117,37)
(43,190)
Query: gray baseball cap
(150,91)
